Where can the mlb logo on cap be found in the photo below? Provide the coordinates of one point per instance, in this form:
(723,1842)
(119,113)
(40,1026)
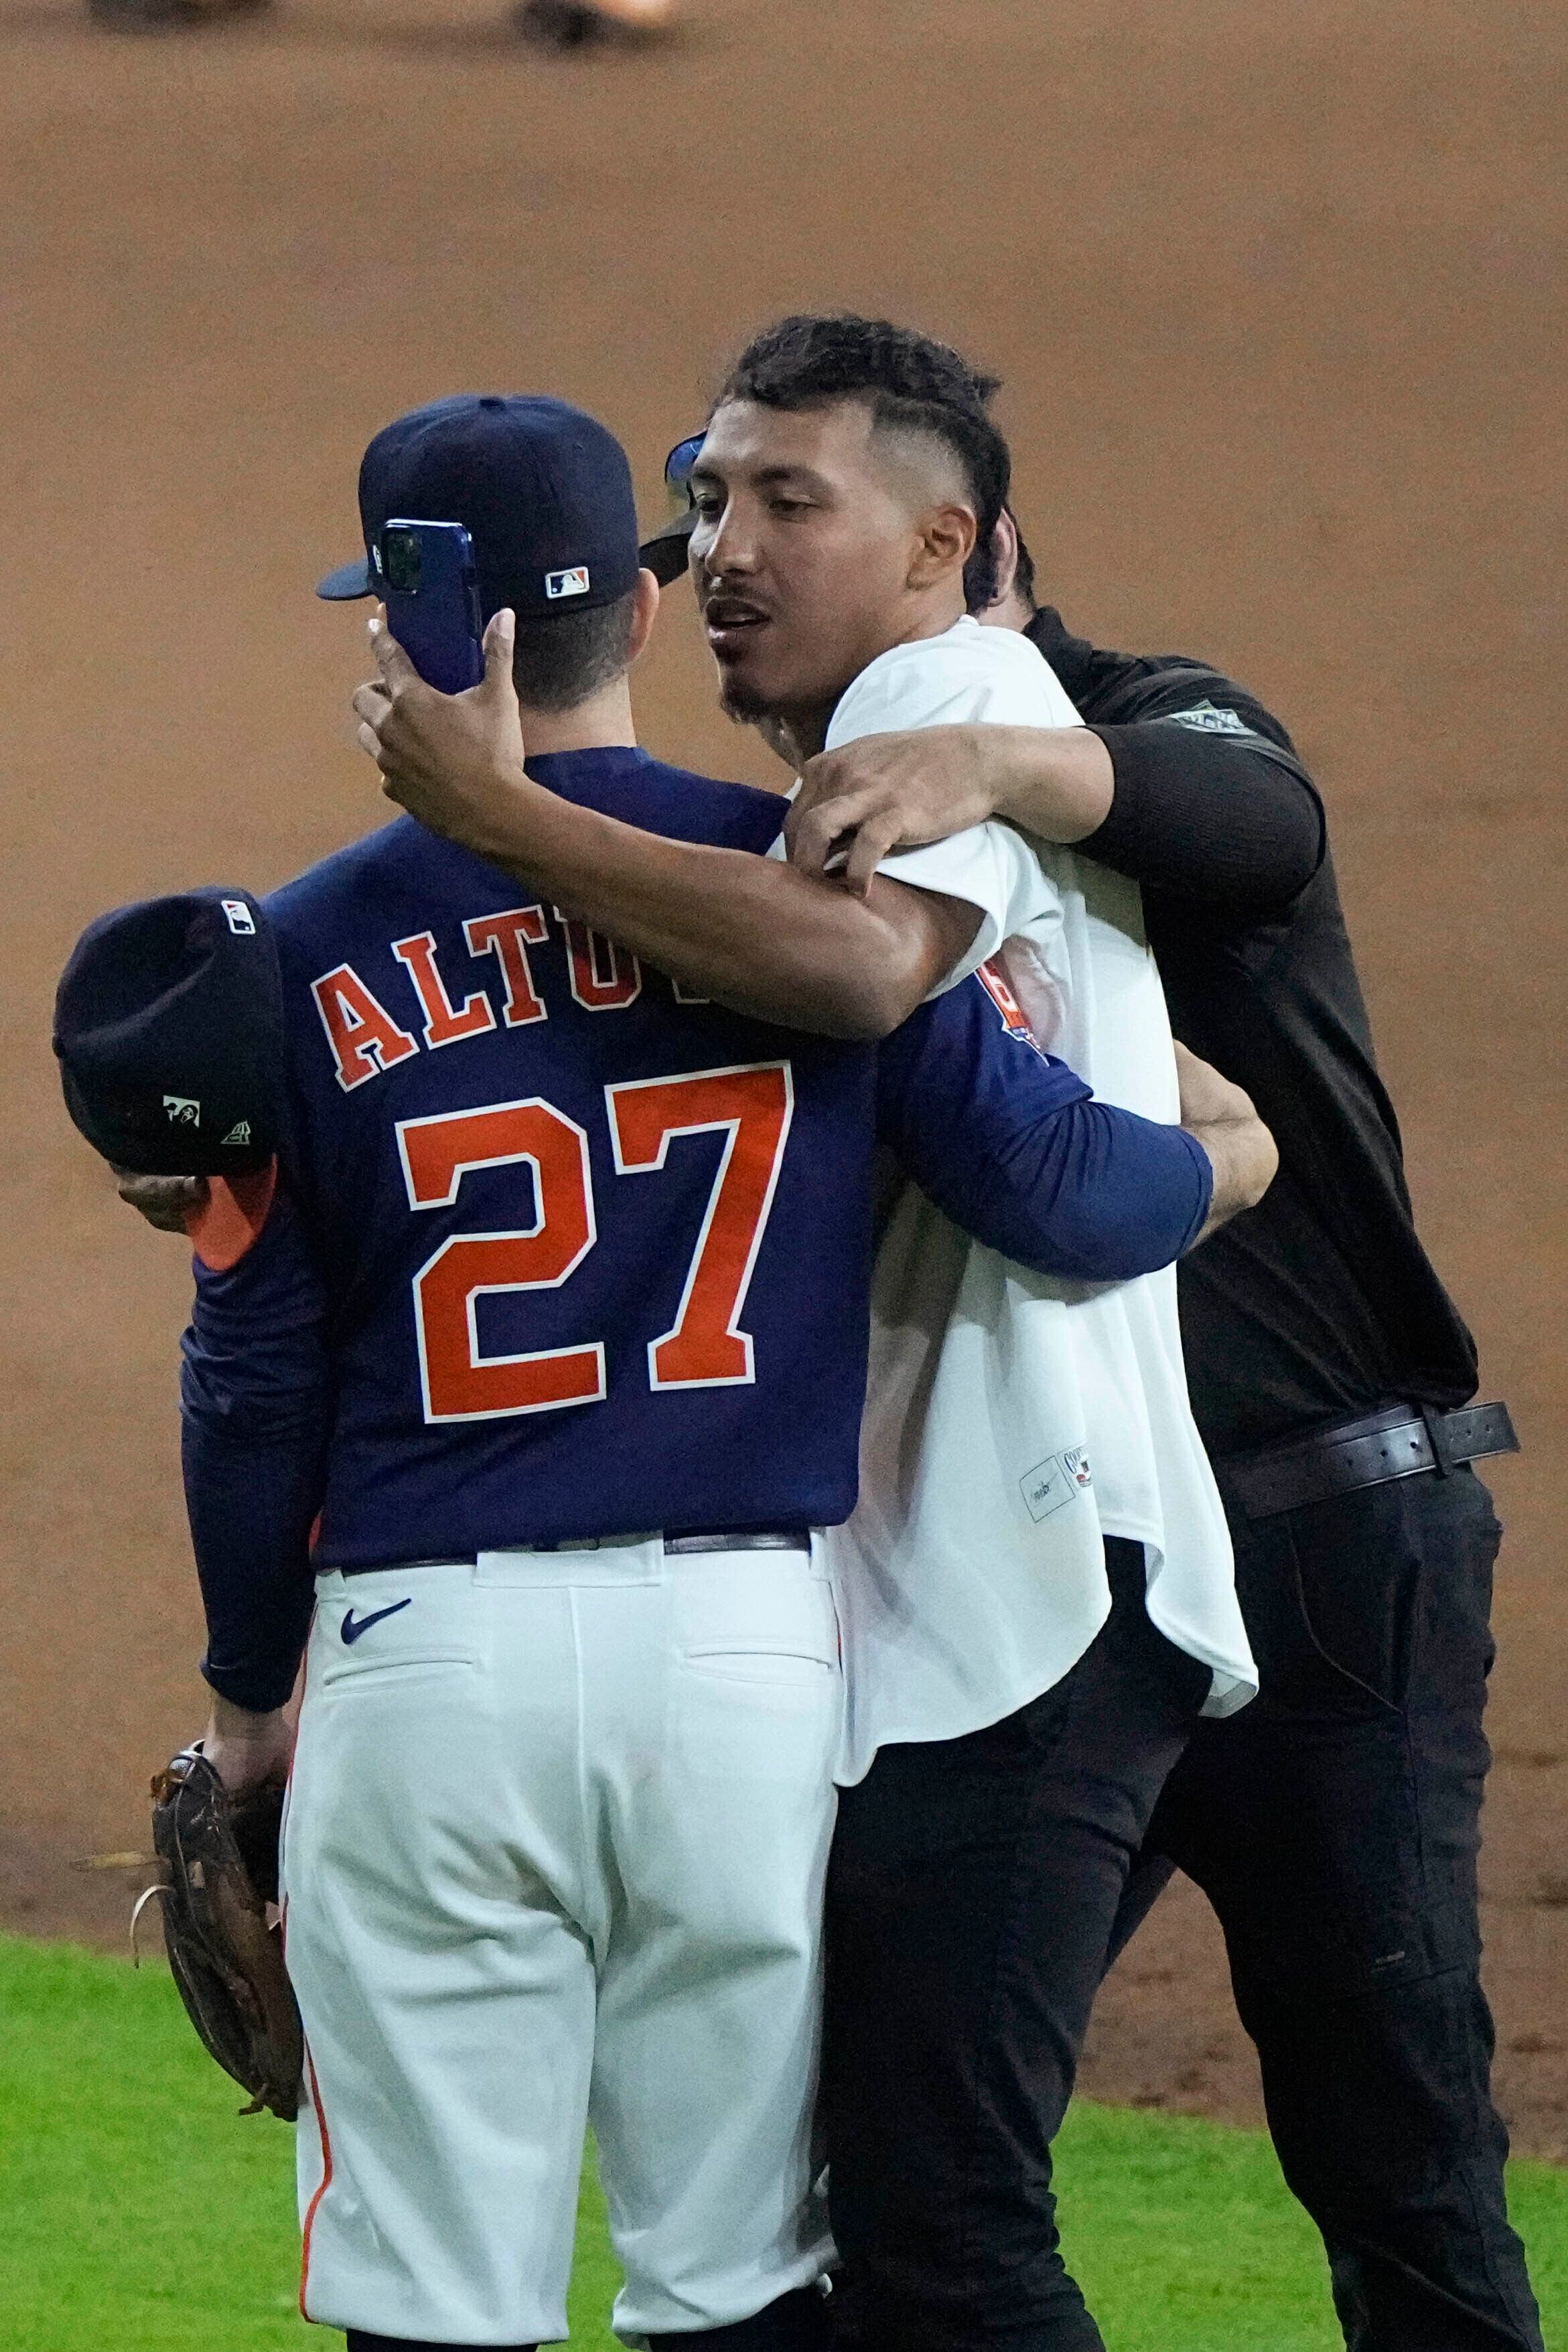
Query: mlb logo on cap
(567,583)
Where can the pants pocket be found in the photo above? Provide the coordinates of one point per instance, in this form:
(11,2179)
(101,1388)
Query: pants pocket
(386,1628)
(1393,1592)
(757,1617)
(376,1673)
(761,1666)
(1355,1600)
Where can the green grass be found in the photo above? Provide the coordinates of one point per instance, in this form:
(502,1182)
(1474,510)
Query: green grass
(141,2216)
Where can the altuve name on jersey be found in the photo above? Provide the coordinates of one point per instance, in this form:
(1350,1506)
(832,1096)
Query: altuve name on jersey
(366,1040)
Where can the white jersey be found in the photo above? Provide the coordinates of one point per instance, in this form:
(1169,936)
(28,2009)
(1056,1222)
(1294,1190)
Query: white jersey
(1014,1420)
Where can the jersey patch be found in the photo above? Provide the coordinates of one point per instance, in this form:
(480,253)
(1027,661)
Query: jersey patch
(1210,720)
(1015,1020)
(1052,1484)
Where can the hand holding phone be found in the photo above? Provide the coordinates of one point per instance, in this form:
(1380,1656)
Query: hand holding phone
(455,760)
(430,585)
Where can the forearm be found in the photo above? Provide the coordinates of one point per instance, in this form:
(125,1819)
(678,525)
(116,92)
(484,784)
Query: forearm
(1010,1145)
(1055,781)
(879,793)
(251,1501)
(747,931)
(1224,819)
(1094,1194)
(255,1403)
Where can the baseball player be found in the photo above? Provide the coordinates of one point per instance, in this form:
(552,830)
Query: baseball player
(1029,1639)
(548,1356)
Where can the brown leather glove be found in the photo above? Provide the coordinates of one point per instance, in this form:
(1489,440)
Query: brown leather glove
(220,1858)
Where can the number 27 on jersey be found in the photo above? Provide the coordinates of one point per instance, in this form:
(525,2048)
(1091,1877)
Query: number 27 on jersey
(750,1105)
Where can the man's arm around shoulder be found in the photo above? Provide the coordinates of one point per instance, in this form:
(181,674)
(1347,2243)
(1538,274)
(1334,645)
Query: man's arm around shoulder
(749,932)
(1202,798)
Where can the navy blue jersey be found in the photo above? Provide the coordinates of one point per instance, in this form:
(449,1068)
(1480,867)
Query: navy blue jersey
(560,1251)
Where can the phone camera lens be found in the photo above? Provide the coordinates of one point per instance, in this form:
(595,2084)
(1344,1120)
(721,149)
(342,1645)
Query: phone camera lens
(399,561)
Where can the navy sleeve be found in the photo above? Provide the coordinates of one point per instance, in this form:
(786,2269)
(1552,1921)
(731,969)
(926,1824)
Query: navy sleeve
(1011,1144)
(255,1403)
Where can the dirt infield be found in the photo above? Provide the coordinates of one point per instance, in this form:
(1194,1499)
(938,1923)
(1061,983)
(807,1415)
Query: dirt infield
(1278,293)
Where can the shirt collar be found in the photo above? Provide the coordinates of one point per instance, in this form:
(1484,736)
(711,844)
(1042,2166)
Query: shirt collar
(590,764)
(1069,657)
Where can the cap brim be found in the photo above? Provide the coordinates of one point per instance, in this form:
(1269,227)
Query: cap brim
(348,580)
(232,1216)
(665,556)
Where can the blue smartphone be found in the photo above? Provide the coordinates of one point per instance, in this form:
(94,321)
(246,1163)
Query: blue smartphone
(430,585)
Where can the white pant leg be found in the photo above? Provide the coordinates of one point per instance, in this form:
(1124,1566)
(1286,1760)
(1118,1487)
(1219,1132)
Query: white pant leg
(720,1799)
(432,1865)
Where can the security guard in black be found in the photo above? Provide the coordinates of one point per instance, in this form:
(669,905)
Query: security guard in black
(1334,1824)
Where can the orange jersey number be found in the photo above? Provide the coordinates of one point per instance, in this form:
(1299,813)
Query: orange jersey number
(705,1347)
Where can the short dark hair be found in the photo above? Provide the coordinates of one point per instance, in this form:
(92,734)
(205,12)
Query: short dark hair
(560,660)
(1023,575)
(910,381)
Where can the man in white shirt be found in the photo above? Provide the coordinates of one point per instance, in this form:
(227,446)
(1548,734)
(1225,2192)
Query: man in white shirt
(1036,1588)
(1037,1599)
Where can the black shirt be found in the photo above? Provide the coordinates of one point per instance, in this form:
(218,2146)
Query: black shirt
(1321,1303)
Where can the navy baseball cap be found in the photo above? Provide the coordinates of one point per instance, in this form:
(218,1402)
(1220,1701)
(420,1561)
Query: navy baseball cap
(169,1029)
(543,489)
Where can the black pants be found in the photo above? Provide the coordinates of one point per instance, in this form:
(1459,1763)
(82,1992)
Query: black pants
(972,1893)
(1334,1826)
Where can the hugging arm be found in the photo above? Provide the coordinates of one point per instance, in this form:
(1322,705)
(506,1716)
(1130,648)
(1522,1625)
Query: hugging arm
(749,932)
(1228,820)
(1011,1144)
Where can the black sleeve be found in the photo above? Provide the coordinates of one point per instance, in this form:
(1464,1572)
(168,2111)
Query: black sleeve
(1211,802)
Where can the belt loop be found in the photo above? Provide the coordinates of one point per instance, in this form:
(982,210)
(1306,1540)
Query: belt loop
(1438,1438)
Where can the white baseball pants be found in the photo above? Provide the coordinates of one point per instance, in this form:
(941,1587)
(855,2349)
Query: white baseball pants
(554,1851)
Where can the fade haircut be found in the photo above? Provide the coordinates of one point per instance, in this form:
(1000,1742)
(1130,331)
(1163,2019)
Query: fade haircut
(558,662)
(910,383)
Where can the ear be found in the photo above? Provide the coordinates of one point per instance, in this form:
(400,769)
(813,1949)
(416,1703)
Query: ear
(944,540)
(644,612)
(1005,547)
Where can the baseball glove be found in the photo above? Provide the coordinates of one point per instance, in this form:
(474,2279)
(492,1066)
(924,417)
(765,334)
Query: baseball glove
(220,1856)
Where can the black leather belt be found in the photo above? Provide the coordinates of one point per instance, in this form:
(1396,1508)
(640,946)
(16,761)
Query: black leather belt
(1398,1443)
(680,1547)
(774,1539)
